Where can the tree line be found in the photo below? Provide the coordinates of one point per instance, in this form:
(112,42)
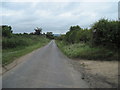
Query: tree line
(15,40)
(102,33)
(8,32)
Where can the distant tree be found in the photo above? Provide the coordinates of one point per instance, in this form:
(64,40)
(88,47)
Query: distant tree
(25,33)
(38,31)
(32,33)
(49,35)
(61,37)
(75,28)
(71,35)
(6,31)
(44,34)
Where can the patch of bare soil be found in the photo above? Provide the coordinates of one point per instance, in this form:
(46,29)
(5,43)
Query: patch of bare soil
(99,74)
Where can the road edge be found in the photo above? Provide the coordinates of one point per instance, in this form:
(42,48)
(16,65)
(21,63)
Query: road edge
(18,61)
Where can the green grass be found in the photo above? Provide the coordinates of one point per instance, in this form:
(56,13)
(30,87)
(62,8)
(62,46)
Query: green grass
(84,51)
(0,50)
(10,54)
(0,56)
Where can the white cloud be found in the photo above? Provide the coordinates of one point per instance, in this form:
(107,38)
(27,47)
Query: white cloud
(60,0)
(11,13)
(65,15)
(42,13)
(56,17)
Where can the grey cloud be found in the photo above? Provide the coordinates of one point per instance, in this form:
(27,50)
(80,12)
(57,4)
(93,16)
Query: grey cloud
(55,17)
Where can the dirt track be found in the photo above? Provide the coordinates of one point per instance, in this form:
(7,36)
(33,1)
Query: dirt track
(99,74)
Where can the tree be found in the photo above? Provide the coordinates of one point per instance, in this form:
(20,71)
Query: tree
(6,31)
(25,33)
(83,35)
(71,36)
(49,35)
(75,28)
(38,31)
(106,32)
(100,31)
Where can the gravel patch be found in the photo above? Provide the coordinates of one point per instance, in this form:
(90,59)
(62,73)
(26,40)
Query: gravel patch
(95,75)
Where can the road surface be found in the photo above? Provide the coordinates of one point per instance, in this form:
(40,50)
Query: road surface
(47,67)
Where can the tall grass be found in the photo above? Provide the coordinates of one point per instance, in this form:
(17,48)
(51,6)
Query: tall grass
(17,46)
(84,51)
(18,41)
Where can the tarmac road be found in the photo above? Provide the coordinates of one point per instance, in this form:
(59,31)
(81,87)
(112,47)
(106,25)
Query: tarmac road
(47,67)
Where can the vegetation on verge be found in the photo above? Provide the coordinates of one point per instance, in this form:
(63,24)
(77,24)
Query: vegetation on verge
(84,51)
(9,55)
(99,42)
(16,45)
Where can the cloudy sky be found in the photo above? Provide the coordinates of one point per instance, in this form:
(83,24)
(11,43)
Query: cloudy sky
(54,16)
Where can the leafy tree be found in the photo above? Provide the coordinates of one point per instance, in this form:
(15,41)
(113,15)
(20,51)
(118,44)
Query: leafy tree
(83,35)
(38,31)
(49,35)
(106,32)
(25,33)
(6,31)
(77,34)
(71,35)
(75,28)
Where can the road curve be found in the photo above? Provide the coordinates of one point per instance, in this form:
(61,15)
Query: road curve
(47,67)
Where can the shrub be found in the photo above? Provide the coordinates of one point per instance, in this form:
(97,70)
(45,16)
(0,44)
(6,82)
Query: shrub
(106,33)
(6,31)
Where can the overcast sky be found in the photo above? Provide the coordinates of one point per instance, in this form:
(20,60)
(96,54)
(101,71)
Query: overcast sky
(56,17)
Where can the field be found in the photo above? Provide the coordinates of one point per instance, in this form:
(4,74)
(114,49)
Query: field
(17,46)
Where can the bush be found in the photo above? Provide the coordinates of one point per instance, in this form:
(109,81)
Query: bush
(6,31)
(106,33)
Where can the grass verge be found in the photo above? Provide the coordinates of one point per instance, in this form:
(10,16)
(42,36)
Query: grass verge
(84,51)
(9,55)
